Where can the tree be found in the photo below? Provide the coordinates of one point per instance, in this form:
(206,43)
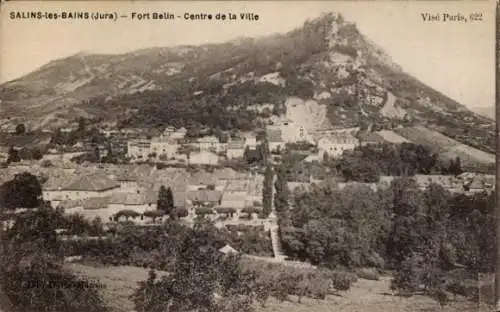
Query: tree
(264,150)
(282,191)
(228,211)
(81,124)
(127,213)
(178,212)
(36,154)
(199,272)
(455,167)
(24,191)
(165,200)
(20,129)
(46,163)
(31,268)
(13,155)
(246,154)
(170,200)
(267,191)
(203,211)
(153,214)
(97,154)
(326,158)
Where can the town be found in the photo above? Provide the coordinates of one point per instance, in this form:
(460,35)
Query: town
(299,170)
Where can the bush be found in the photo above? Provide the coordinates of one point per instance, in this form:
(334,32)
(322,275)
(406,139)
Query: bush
(179,212)
(368,274)
(202,211)
(225,210)
(46,163)
(342,280)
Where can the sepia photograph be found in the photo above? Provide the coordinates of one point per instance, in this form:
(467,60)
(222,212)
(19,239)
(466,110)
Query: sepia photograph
(264,156)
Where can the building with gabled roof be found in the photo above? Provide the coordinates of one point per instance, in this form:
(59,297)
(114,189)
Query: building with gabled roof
(204,197)
(92,183)
(235,148)
(81,186)
(228,250)
(274,138)
(208,143)
(203,158)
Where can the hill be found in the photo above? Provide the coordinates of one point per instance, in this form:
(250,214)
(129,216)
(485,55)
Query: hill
(486,111)
(352,81)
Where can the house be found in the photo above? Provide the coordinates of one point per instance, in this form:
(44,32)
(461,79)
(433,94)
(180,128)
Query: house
(96,207)
(335,144)
(180,134)
(228,250)
(168,131)
(138,149)
(235,149)
(71,206)
(251,141)
(203,158)
(274,138)
(293,132)
(52,189)
(164,146)
(204,197)
(131,176)
(367,138)
(137,202)
(449,183)
(83,187)
(475,186)
(209,143)
(173,178)
(70,128)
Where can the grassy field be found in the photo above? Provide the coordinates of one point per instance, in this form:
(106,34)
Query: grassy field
(447,147)
(364,295)
(392,137)
(120,282)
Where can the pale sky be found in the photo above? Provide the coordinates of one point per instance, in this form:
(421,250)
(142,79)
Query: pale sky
(455,58)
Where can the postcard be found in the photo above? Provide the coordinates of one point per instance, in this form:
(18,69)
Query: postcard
(248,156)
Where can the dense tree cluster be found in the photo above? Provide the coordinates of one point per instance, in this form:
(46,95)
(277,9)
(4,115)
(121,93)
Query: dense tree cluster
(366,163)
(267,191)
(32,276)
(24,191)
(423,235)
(157,247)
(201,278)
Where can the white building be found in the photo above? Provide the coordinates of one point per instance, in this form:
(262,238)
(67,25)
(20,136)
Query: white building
(209,143)
(335,144)
(251,141)
(138,149)
(203,158)
(164,146)
(292,132)
(235,149)
(179,134)
(274,138)
(80,188)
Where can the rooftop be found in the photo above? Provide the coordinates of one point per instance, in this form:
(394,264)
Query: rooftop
(92,183)
(274,134)
(204,196)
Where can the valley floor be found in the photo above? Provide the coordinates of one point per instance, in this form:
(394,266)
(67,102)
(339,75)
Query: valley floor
(364,296)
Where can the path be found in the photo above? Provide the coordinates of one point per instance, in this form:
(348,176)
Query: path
(391,111)
(274,229)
